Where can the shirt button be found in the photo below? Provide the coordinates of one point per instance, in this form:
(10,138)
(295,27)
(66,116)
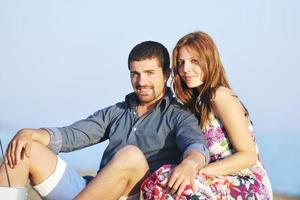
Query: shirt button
(134,129)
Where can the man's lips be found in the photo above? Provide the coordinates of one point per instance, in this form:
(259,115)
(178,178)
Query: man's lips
(144,90)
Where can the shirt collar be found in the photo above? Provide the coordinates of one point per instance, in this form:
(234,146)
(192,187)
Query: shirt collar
(133,101)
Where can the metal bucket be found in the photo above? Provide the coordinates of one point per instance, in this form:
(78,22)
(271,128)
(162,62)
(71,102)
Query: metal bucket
(13,193)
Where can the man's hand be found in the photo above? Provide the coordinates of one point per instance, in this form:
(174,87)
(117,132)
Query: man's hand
(20,145)
(184,174)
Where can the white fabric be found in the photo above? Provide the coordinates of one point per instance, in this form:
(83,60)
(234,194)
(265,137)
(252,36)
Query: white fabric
(45,187)
(64,183)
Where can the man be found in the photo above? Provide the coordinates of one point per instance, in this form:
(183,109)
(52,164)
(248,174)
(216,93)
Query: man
(145,131)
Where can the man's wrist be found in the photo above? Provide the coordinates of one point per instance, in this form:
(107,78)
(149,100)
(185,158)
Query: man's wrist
(191,162)
(195,159)
(41,135)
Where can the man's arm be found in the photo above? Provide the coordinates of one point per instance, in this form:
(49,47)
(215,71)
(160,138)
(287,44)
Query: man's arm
(184,174)
(83,133)
(20,145)
(191,142)
(78,135)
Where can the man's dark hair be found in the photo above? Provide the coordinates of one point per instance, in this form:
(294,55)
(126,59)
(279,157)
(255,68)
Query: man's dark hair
(149,50)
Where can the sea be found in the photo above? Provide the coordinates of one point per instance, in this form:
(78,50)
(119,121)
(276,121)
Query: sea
(280,154)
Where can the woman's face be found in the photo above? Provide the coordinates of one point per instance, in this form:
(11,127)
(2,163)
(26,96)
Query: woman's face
(189,68)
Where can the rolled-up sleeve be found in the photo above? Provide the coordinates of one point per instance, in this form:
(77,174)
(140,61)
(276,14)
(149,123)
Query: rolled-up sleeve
(189,137)
(82,133)
(55,139)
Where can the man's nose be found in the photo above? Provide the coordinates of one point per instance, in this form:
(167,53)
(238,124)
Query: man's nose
(142,80)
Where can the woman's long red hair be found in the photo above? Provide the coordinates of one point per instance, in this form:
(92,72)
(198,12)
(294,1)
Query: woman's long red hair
(198,100)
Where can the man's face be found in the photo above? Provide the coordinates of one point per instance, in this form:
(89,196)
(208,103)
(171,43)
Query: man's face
(148,80)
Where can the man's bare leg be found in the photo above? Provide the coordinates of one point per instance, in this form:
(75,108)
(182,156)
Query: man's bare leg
(37,167)
(122,176)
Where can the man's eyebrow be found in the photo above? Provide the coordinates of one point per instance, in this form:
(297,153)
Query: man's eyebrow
(149,70)
(133,71)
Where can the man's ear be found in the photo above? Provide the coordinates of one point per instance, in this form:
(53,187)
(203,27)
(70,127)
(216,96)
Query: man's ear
(167,74)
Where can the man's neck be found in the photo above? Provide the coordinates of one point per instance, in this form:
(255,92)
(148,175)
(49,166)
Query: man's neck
(143,109)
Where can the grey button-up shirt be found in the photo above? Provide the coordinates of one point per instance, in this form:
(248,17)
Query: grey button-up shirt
(164,134)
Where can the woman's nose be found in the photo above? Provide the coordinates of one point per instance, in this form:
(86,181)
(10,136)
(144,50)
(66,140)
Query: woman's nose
(186,67)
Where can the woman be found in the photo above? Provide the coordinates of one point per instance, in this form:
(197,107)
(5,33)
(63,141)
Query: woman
(235,170)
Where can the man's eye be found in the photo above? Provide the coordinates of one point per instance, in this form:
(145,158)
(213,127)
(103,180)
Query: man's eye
(150,73)
(133,74)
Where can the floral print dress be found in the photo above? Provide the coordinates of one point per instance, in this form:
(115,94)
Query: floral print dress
(251,183)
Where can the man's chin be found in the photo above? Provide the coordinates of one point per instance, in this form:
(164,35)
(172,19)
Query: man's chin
(145,99)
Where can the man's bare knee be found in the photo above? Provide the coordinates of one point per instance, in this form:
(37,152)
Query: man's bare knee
(38,152)
(132,157)
(42,162)
(132,161)
(37,149)
(38,166)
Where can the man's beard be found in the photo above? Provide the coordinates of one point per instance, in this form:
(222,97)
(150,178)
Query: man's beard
(149,97)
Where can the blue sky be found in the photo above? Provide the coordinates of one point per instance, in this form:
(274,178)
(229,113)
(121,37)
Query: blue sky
(61,60)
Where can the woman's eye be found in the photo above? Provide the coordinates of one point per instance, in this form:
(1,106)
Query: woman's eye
(180,63)
(194,61)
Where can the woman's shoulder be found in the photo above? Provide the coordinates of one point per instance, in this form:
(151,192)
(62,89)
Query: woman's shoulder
(225,99)
(223,91)
(222,95)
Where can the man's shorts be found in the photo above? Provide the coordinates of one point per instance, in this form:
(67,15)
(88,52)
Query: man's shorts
(65,183)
